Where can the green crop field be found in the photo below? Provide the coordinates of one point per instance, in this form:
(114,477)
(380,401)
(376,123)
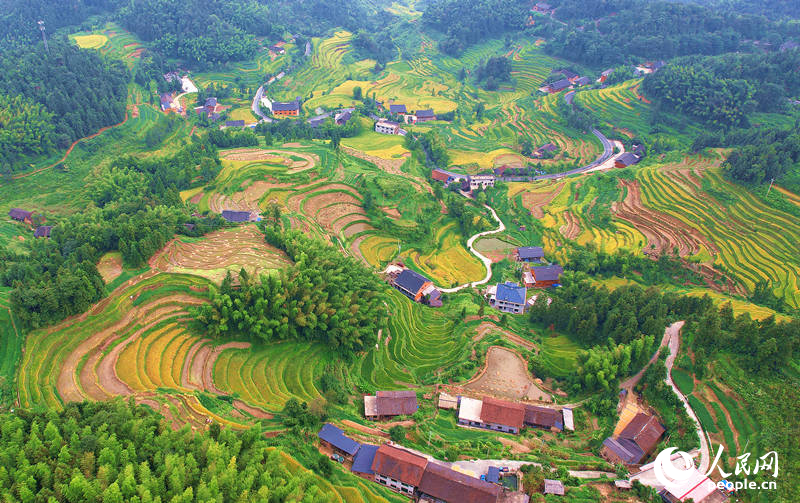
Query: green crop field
(683,380)
(558,354)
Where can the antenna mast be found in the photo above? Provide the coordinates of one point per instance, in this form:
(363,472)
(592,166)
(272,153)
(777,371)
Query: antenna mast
(44,36)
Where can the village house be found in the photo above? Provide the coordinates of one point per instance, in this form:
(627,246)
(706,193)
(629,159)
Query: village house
(237,216)
(509,297)
(166,102)
(398,110)
(210,109)
(491,414)
(553,487)
(558,86)
(542,7)
(570,75)
(387,127)
(440,483)
(474,182)
(546,276)
(412,284)
(386,404)
(398,469)
(277,49)
(343,116)
(424,115)
(583,81)
(544,149)
(333,438)
(362,462)
(605,75)
(447,401)
(20,215)
(635,442)
(43,231)
(544,417)
(529,254)
(286,109)
(626,159)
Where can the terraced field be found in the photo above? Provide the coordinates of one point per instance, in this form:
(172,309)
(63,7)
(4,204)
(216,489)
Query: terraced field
(10,345)
(449,263)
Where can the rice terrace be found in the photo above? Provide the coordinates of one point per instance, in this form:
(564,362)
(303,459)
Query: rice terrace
(445,251)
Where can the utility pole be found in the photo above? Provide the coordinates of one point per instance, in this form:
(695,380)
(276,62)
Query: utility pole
(770,185)
(44,36)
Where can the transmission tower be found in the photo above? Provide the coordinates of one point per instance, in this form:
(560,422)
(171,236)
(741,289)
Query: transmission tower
(44,36)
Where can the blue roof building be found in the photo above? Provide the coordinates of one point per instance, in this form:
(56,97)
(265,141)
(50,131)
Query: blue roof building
(510,297)
(336,438)
(362,463)
(397,109)
(530,254)
(236,216)
(411,283)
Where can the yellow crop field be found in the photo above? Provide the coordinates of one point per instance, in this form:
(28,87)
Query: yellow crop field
(94,41)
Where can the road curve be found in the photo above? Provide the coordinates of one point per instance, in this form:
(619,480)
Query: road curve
(674,344)
(486,261)
(256,107)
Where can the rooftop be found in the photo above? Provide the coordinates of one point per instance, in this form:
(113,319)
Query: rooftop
(530,252)
(362,463)
(411,280)
(501,412)
(397,109)
(644,430)
(544,417)
(470,409)
(399,464)
(511,292)
(628,158)
(560,85)
(446,484)
(425,114)
(547,272)
(390,403)
(236,216)
(43,231)
(625,449)
(290,106)
(338,439)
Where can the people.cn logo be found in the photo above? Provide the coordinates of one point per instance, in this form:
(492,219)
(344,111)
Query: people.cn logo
(666,472)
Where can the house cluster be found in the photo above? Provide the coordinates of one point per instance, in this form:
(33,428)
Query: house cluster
(414,285)
(340,117)
(211,109)
(169,104)
(510,417)
(278,48)
(511,297)
(411,474)
(468,182)
(635,442)
(26,217)
(569,81)
(412,117)
(630,158)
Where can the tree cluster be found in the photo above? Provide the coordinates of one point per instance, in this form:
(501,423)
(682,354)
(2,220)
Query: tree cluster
(323,297)
(230,138)
(299,130)
(114,452)
(773,155)
(493,71)
(431,145)
(78,92)
(465,22)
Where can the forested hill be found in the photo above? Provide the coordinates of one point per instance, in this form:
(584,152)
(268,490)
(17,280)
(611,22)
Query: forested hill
(18,18)
(55,98)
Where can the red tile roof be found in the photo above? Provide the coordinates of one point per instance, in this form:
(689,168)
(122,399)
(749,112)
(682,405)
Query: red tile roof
(644,430)
(501,412)
(399,464)
(395,403)
(445,484)
(439,175)
(543,417)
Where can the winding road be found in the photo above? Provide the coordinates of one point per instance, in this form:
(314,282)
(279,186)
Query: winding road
(256,106)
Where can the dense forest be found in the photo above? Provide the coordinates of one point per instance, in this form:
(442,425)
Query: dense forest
(114,452)
(79,91)
(324,296)
(723,91)
(136,210)
(18,18)
(465,22)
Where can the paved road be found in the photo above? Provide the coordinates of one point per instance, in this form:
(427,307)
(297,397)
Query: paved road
(256,106)
(481,466)
(674,344)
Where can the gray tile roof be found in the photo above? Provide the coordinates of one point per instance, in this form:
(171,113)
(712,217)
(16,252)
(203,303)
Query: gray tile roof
(338,439)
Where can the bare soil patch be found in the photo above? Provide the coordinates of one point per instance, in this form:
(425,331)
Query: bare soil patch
(572,228)
(392,212)
(110,267)
(535,201)
(197,198)
(253,411)
(506,375)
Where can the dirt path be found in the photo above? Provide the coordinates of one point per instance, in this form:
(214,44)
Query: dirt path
(365,429)
(69,150)
(486,327)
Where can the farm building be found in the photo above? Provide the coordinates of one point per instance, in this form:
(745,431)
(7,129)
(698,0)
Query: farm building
(545,149)
(425,115)
(440,483)
(362,462)
(412,284)
(491,414)
(236,216)
(43,231)
(529,254)
(605,74)
(583,81)
(474,182)
(527,279)
(553,487)
(635,442)
(20,215)
(544,417)
(387,127)
(239,123)
(286,109)
(509,297)
(447,401)
(626,159)
(546,275)
(398,109)
(336,440)
(558,86)
(342,117)
(210,109)
(398,469)
(441,176)
(570,75)
(384,404)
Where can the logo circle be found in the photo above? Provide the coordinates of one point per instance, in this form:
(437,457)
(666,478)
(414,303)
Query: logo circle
(666,472)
